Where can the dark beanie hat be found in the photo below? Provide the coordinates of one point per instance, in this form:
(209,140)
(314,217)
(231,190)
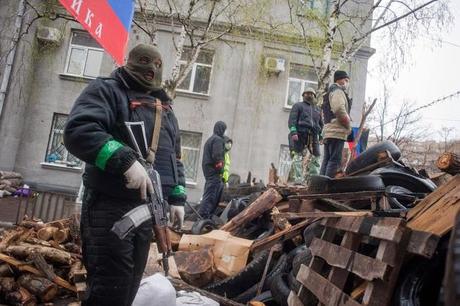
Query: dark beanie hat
(340,74)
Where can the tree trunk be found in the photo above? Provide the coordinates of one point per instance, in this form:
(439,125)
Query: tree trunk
(195,267)
(44,289)
(449,162)
(47,232)
(23,250)
(263,203)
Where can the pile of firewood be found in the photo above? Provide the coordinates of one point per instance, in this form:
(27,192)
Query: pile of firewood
(10,182)
(41,262)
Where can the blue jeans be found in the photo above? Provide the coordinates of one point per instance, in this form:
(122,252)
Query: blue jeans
(332,156)
(213,189)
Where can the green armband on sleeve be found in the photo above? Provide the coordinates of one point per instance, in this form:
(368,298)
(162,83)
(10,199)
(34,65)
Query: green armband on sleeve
(293,129)
(106,152)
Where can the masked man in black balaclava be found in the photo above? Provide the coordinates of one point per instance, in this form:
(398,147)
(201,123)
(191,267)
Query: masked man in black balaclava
(213,168)
(115,181)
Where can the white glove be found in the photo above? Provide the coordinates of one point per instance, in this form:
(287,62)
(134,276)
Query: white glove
(138,178)
(176,215)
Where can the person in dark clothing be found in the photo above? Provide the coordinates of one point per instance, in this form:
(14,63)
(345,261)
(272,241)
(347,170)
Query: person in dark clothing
(213,167)
(305,126)
(114,179)
(336,114)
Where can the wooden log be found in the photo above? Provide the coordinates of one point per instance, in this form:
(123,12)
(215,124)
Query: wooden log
(60,224)
(21,297)
(181,285)
(422,243)
(24,267)
(263,203)
(5,270)
(81,290)
(9,238)
(61,235)
(195,267)
(76,266)
(7,284)
(41,287)
(47,232)
(449,162)
(36,225)
(23,250)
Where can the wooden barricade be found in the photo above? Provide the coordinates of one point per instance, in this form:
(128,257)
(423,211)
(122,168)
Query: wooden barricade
(356,261)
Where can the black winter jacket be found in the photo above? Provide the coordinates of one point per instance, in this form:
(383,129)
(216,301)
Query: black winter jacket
(305,118)
(214,151)
(96,133)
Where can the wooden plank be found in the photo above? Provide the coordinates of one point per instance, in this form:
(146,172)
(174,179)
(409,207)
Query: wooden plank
(436,214)
(326,292)
(286,234)
(422,243)
(263,203)
(390,229)
(339,276)
(293,300)
(324,214)
(379,292)
(365,267)
(433,197)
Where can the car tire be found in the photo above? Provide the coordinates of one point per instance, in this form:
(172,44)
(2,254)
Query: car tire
(302,258)
(356,184)
(312,231)
(280,289)
(203,226)
(369,156)
(235,285)
(319,184)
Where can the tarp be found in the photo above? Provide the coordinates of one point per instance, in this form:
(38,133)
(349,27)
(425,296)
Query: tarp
(108,22)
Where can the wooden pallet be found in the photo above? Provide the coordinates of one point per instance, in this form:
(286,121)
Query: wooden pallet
(355,262)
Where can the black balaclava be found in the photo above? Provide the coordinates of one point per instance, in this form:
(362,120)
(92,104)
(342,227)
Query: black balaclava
(219,128)
(142,62)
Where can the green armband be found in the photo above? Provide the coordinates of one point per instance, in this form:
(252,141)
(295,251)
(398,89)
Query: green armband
(293,129)
(106,152)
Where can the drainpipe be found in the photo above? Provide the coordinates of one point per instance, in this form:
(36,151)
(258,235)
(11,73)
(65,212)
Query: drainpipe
(11,55)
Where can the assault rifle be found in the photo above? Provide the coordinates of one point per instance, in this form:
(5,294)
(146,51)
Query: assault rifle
(154,209)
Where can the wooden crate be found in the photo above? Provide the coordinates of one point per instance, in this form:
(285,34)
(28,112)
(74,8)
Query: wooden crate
(356,261)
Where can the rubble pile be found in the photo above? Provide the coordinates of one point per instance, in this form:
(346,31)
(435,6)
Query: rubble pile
(10,184)
(41,262)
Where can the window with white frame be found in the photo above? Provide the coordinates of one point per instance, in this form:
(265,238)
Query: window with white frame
(319,5)
(84,57)
(190,148)
(199,77)
(300,77)
(284,163)
(56,153)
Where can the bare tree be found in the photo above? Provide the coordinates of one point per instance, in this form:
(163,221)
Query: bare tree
(447,135)
(332,36)
(194,24)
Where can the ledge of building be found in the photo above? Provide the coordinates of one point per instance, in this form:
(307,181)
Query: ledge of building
(60,167)
(192,95)
(365,52)
(191,184)
(75,78)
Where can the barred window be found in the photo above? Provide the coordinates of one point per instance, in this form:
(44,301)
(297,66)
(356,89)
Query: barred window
(199,78)
(300,77)
(190,147)
(56,153)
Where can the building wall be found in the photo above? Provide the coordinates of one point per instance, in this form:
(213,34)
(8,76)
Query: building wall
(242,94)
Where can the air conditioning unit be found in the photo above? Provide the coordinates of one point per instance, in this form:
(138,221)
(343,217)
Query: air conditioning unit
(49,35)
(274,65)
